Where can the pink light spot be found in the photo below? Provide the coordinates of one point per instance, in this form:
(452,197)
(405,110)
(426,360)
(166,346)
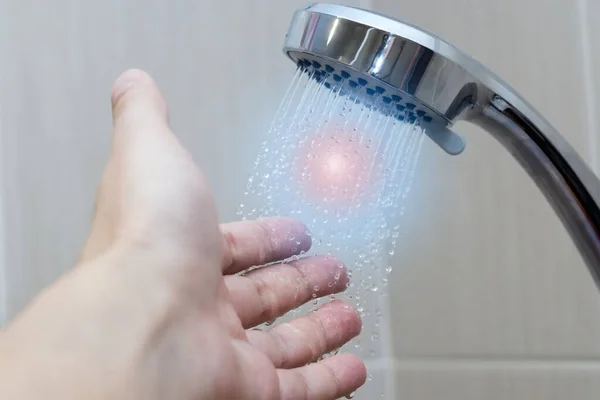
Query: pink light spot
(335,169)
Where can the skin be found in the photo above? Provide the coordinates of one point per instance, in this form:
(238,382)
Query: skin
(161,305)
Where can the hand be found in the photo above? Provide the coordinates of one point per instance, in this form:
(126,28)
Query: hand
(157,309)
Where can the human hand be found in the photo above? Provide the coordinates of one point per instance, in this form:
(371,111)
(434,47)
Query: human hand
(157,309)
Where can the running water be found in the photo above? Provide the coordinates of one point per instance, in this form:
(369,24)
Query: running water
(341,158)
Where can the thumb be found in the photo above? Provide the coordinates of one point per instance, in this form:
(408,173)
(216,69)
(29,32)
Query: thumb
(139,110)
(139,116)
(151,190)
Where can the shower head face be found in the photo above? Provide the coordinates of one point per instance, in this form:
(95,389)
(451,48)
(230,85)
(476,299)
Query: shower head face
(433,81)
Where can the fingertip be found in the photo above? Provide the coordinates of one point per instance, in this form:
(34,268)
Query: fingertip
(345,315)
(296,231)
(127,80)
(135,87)
(324,270)
(351,369)
(302,230)
(359,370)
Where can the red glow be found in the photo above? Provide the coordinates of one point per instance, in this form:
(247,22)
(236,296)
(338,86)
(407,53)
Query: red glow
(335,169)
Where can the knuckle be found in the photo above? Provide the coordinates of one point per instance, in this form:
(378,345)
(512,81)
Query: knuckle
(268,300)
(269,239)
(231,248)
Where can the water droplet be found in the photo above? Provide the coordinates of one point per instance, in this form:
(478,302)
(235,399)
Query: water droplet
(316,288)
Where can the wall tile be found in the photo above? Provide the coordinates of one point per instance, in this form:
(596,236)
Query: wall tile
(475,380)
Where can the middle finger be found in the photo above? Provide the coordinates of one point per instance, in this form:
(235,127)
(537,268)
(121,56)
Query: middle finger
(267,293)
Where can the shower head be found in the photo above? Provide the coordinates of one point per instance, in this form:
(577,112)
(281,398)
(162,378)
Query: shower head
(372,56)
(382,58)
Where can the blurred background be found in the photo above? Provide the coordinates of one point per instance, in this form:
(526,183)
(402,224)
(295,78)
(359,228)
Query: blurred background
(488,298)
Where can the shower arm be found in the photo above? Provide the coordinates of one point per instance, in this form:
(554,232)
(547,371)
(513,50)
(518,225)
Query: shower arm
(568,184)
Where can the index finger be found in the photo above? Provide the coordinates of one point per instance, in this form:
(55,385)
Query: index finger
(265,240)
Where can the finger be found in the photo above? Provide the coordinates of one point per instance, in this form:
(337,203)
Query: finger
(267,293)
(137,103)
(152,193)
(300,341)
(329,379)
(139,116)
(251,243)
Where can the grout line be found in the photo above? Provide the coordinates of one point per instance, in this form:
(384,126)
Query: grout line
(444,362)
(540,365)
(589,85)
(496,362)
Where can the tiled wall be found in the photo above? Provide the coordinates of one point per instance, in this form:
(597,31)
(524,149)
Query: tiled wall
(489,299)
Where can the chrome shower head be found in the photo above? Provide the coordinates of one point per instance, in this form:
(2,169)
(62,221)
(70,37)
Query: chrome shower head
(436,85)
(389,58)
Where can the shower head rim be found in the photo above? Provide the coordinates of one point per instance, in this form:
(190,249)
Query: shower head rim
(489,85)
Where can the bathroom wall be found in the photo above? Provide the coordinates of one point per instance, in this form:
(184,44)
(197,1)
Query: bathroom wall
(489,298)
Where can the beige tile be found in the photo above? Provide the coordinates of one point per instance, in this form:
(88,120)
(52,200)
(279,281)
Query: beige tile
(590,40)
(475,380)
(486,268)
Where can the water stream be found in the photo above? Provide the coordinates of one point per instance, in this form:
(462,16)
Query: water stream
(345,168)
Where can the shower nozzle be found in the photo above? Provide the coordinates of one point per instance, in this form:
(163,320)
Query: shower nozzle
(387,61)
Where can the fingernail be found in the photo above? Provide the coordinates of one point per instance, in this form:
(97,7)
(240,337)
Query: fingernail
(128,79)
